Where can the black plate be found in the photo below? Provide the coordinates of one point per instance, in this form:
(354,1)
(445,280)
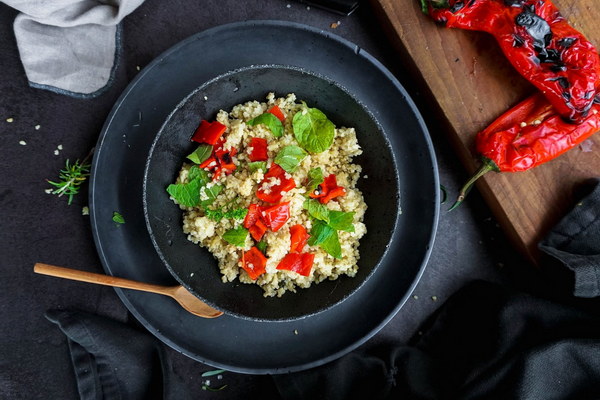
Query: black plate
(126,250)
(195,267)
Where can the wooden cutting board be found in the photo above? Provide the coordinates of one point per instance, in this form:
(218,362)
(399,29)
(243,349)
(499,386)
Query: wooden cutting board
(469,82)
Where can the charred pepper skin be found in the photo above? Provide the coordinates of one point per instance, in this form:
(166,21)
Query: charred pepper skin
(539,43)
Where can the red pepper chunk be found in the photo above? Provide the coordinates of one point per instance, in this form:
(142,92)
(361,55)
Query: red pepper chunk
(298,238)
(254,263)
(276,111)
(259,149)
(220,161)
(252,216)
(209,132)
(276,216)
(271,193)
(257,230)
(296,262)
(328,190)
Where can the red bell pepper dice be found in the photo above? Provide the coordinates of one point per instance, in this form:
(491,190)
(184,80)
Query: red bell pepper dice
(296,262)
(257,230)
(209,132)
(298,238)
(252,216)
(276,111)
(272,194)
(259,149)
(254,263)
(328,190)
(276,216)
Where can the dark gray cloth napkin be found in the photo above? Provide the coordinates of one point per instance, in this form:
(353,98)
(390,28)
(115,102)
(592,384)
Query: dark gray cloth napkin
(575,241)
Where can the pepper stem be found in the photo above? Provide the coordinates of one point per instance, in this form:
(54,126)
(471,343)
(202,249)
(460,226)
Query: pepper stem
(486,167)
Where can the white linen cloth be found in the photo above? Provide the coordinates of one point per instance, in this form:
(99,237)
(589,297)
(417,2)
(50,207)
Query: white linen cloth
(70,46)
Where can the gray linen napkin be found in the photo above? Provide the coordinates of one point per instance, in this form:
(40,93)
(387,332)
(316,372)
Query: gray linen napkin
(70,46)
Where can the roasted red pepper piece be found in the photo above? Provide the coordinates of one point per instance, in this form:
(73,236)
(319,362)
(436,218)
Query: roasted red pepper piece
(220,161)
(271,193)
(254,263)
(276,216)
(328,190)
(257,230)
(298,238)
(209,132)
(252,216)
(276,111)
(300,263)
(259,149)
(539,43)
(529,134)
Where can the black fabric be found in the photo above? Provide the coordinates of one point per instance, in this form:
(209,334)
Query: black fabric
(575,241)
(113,361)
(486,342)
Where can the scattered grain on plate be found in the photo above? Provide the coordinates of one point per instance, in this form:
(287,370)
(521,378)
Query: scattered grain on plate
(308,8)
(60,147)
(9,120)
(289,6)
(85,210)
(56,152)
(434,298)
(48,191)
(416,297)
(23,143)
(205,97)
(137,67)
(295,331)
(334,25)
(37,127)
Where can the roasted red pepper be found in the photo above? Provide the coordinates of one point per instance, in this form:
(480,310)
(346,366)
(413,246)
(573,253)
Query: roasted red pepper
(276,216)
(275,182)
(259,149)
(252,215)
(254,263)
(276,111)
(526,136)
(328,190)
(257,230)
(298,238)
(209,132)
(539,43)
(220,161)
(300,263)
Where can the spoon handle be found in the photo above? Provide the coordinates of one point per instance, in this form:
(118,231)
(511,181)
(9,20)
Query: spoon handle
(90,277)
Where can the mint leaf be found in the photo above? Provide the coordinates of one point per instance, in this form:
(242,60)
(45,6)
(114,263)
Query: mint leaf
(271,121)
(316,210)
(341,221)
(186,194)
(201,154)
(209,194)
(196,172)
(118,218)
(262,246)
(256,165)
(237,236)
(319,233)
(315,178)
(290,157)
(331,245)
(313,131)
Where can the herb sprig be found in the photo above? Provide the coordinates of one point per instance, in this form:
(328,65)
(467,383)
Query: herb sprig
(71,178)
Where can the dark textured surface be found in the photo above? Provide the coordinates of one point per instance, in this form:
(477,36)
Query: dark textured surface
(37,227)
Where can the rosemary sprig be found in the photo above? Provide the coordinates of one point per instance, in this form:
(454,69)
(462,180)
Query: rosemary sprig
(71,178)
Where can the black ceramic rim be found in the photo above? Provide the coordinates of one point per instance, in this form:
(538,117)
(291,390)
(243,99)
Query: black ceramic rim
(228,342)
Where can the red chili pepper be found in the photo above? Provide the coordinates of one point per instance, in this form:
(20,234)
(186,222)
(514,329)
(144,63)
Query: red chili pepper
(276,111)
(328,190)
(259,149)
(257,230)
(539,43)
(300,263)
(529,134)
(254,263)
(276,216)
(209,132)
(298,238)
(272,193)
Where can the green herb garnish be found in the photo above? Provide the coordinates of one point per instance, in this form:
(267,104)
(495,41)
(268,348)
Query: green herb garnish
(319,232)
(118,218)
(325,225)
(71,178)
(341,221)
(271,121)
(201,154)
(256,165)
(313,131)
(315,178)
(188,194)
(219,214)
(236,236)
(262,246)
(290,157)
(212,389)
(316,210)
(212,373)
(209,194)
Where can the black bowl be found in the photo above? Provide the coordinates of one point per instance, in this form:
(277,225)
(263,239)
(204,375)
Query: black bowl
(194,267)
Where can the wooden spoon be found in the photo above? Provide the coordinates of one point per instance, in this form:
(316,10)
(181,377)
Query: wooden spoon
(187,300)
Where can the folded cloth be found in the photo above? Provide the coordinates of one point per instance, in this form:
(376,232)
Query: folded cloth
(114,361)
(575,241)
(485,342)
(70,46)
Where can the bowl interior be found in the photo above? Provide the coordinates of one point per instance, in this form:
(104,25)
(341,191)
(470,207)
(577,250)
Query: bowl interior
(193,266)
